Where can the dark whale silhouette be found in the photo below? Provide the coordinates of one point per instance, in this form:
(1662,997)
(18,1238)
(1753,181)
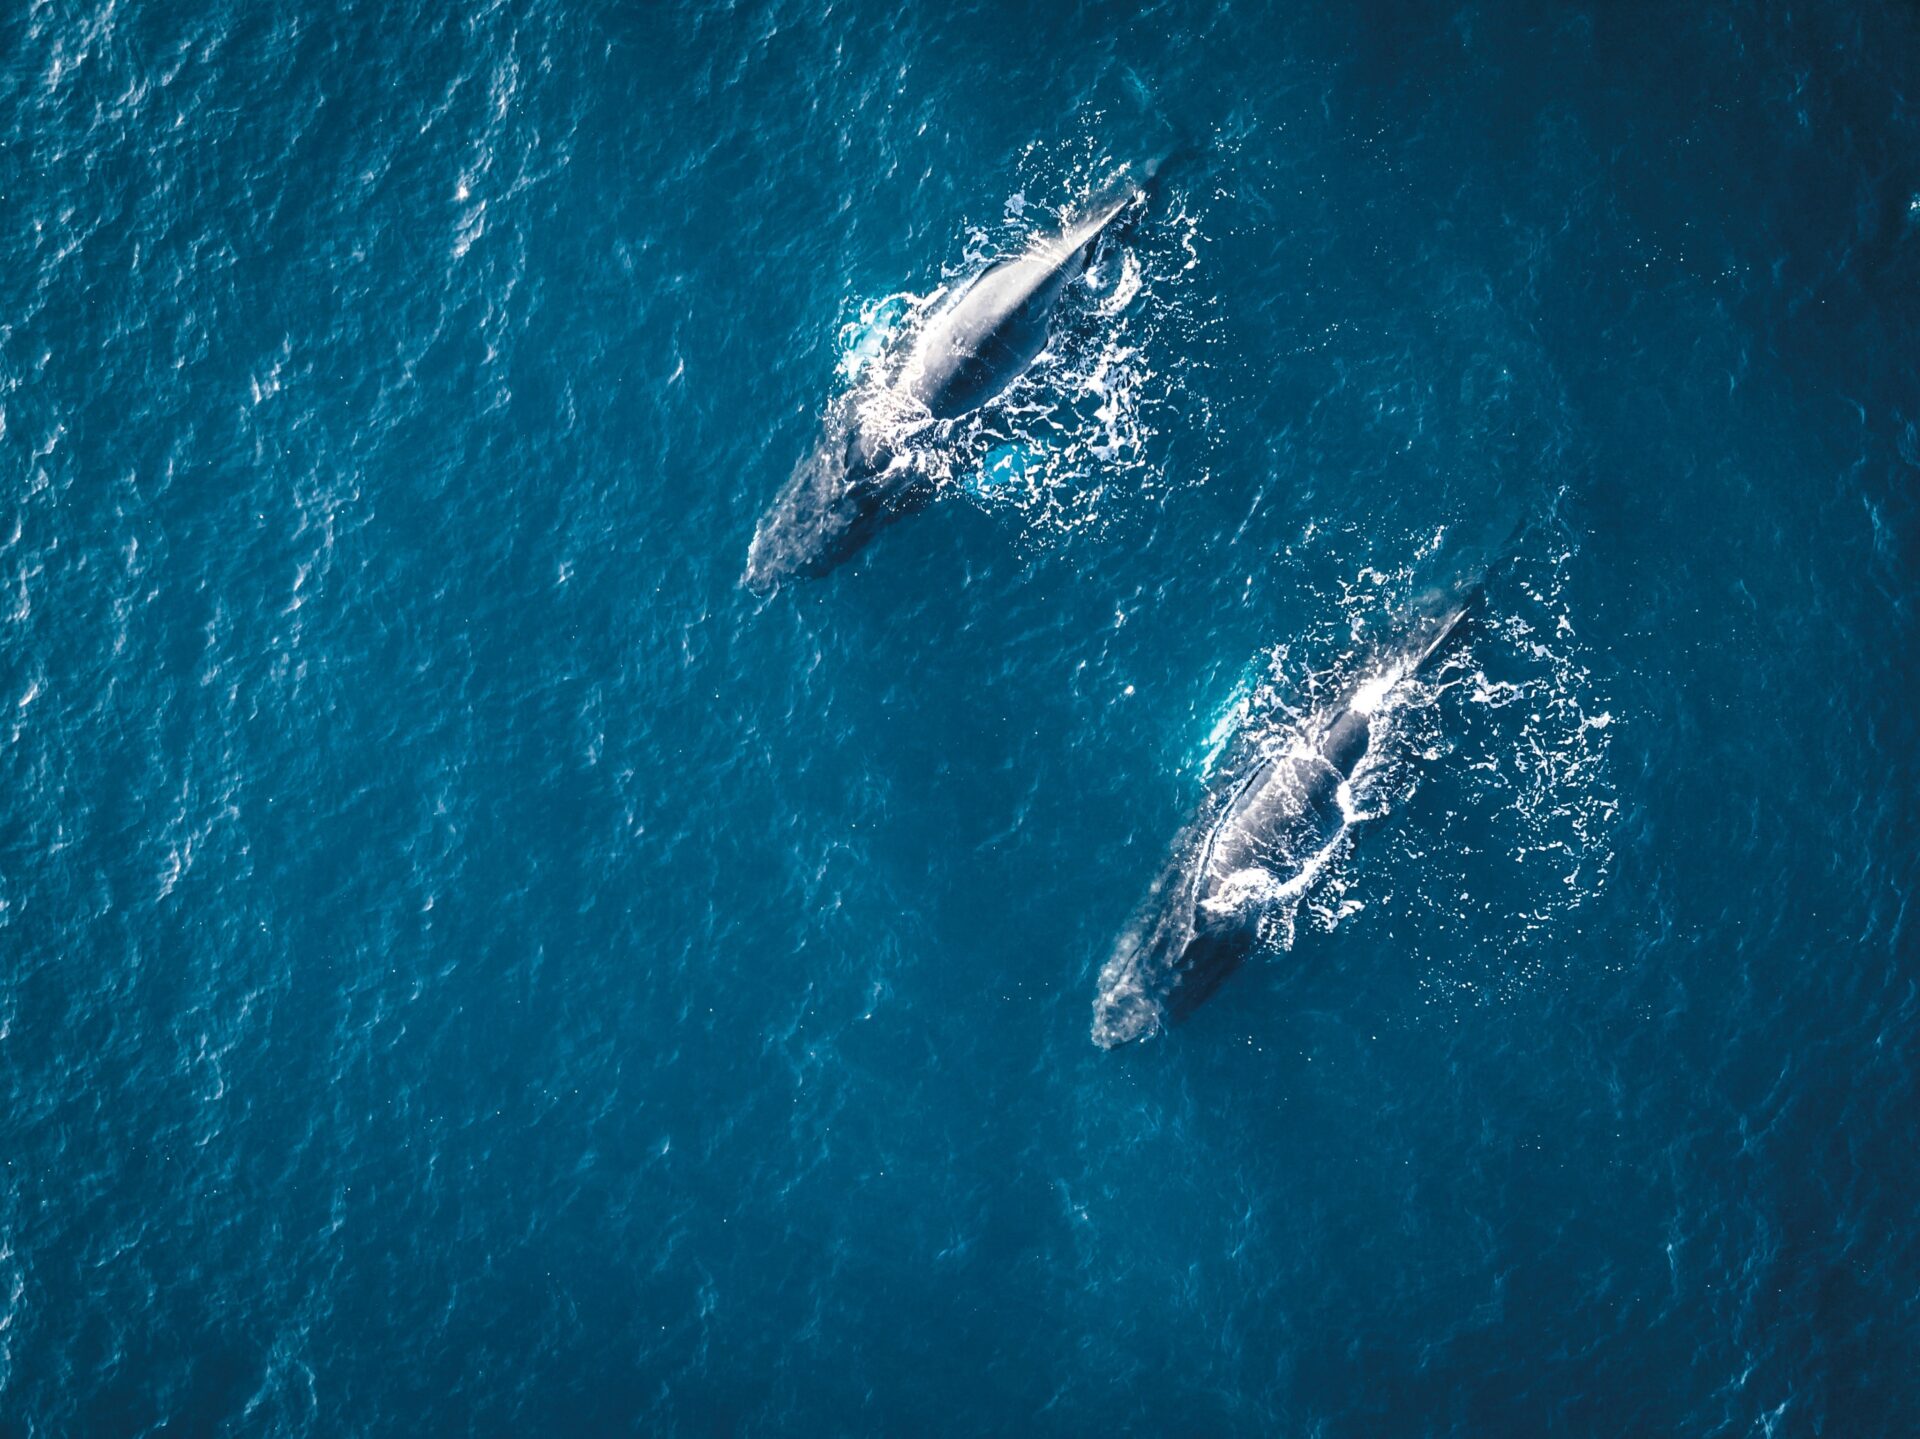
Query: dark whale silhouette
(972,347)
(1250,850)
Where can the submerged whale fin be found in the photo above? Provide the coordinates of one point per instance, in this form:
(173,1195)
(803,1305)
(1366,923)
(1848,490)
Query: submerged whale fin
(1209,960)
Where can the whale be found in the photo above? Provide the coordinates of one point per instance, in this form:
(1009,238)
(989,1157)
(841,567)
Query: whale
(1255,844)
(974,344)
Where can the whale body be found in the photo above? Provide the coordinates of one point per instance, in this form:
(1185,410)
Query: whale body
(1250,851)
(974,345)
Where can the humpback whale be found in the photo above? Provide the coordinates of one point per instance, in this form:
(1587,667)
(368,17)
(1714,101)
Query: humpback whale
(1252,849)
(974,345)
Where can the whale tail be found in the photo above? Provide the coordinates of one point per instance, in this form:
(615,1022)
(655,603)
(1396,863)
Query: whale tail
(1450,623)
(1146,173)
(1127,195)
(1448,605)
(1170,156)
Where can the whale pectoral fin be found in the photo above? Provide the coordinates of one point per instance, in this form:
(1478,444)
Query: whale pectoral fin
(915,493)
(1210,956)
(902,488)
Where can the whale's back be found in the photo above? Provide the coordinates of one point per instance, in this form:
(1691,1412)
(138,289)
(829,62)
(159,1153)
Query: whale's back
(987,336)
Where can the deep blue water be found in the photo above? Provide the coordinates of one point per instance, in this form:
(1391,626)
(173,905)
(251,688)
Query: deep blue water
(467,966)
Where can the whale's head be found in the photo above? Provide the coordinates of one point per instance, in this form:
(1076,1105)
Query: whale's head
(1160,978)
(1123,1013)
(1165,963)
(1127,1005)
(840,493)
(808,528)
(1176,951)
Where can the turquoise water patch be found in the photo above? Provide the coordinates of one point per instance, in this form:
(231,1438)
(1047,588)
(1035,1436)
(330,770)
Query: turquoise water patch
(1224,723)
(864,339)
(1003,468)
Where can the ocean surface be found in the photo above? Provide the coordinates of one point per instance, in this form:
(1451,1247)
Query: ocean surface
(469,966)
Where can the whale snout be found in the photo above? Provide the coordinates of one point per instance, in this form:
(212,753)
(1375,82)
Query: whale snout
(1133,983)
(1122,1016)
(767,565)
(806,530)
(784,547)
(843,491)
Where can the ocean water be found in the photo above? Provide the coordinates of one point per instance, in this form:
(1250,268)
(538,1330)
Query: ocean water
(468,966)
